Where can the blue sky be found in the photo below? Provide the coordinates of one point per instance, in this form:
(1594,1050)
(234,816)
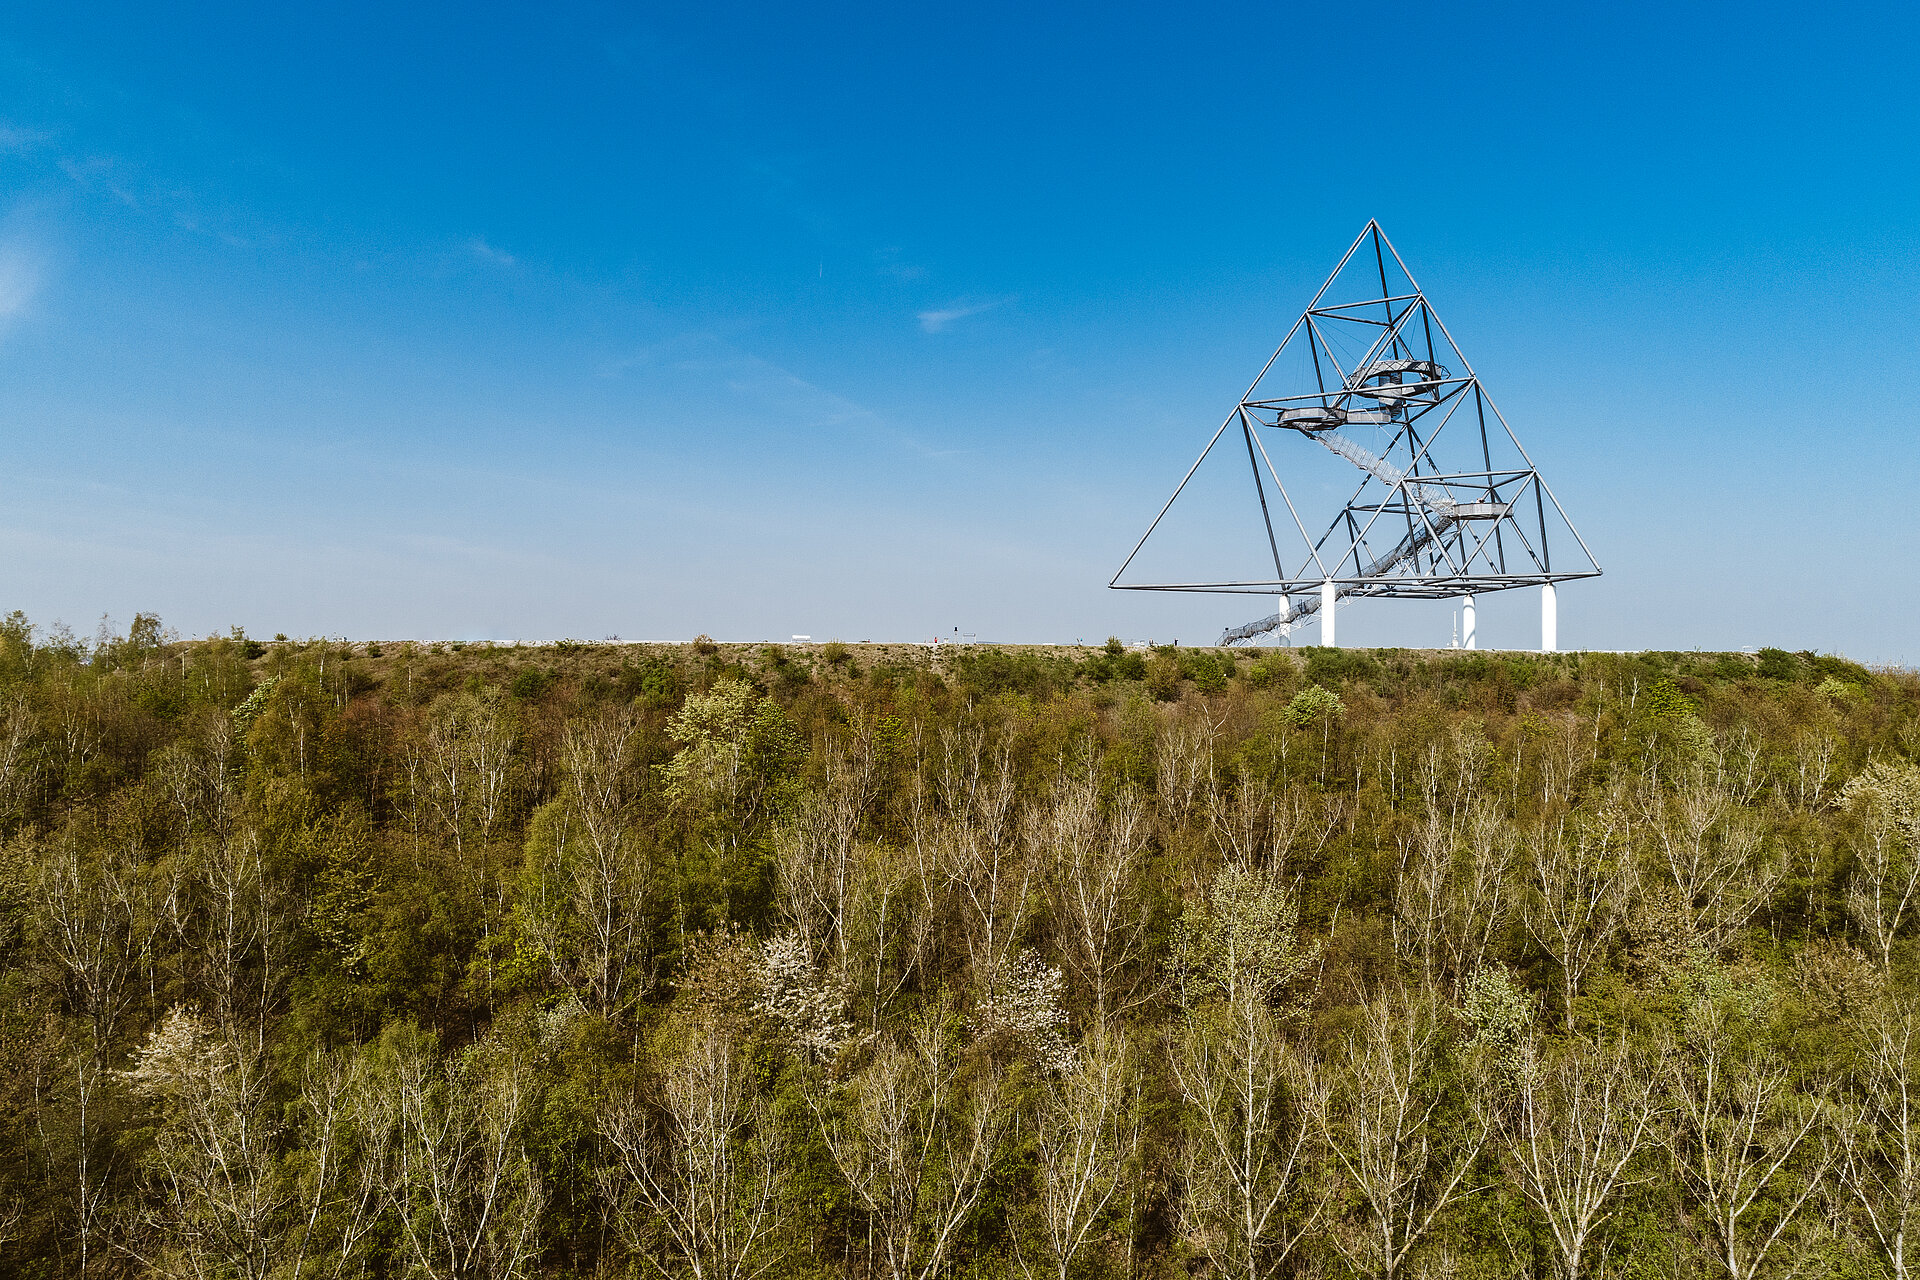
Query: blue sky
(876,322)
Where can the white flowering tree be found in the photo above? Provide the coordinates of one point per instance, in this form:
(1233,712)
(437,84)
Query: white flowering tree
(1023,1002)
(737,749)
(220,1193)
(807,1007)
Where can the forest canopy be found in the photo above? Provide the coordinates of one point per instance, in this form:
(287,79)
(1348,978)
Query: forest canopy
(329,959)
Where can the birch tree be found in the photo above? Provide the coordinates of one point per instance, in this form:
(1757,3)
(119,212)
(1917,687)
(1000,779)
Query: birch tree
(1715,859)
(1745,1142)
(1879,1131)
(1884,890)
(1402,1139)
(466,764)
(586,903)
(344,1165)
(970,864)
(990,866)
(232,917)
(817,849)
(1452,899)
(1251,822)
(1183,763)
(915,1136)
(464,1190)
(1095,858)
(1246,1200)
(1580,885)
(1087,1140)
(1571,1121)
(703,1178)
(92,926)
(18,727)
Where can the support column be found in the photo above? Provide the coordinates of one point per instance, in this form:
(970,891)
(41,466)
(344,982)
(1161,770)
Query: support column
(1327,599)
(1467,638)
(1549,620)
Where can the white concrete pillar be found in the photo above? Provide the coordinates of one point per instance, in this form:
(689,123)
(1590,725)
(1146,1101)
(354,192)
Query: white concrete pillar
(1467,638)
(1549,620)
(1327,635)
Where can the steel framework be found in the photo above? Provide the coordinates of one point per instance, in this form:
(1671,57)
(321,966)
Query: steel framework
(1448,504)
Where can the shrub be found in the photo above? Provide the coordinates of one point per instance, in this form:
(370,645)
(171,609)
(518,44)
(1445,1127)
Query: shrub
(1730,666)
(1114,662)
(1833,667)
(1270,668)
(1669,725)
(529,683)
(654,681)
(996,671)
(1208,671)
(1331,666)
(1163,677)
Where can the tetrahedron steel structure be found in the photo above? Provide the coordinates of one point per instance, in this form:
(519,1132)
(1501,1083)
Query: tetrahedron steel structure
(1368,385)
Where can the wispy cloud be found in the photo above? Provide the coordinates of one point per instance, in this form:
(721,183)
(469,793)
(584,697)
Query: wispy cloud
(18,139)
(101,173)
(776,393)
(775,396)
(487,253)
(941,318)
(142,188)
(890,263)
(21,273)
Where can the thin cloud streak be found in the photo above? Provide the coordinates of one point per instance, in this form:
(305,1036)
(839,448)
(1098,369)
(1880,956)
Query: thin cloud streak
(776,393)
(18,139)
(21,274)
(937,321)
(487,253)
